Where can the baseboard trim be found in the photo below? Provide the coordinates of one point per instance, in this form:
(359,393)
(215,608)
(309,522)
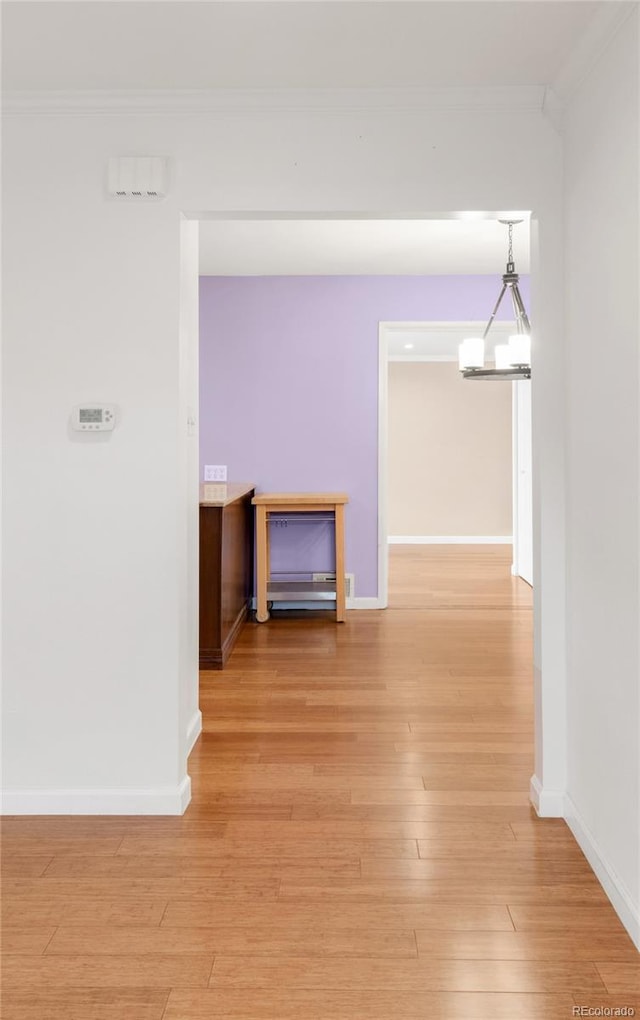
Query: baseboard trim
(615,889)
(450,540)
(194,730)
(548,803)
(365,602)
(159,800)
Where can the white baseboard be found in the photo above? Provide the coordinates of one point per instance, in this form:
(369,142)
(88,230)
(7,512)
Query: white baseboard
(548,803)
(194,730)
(159,800)
(450,540)
(627,911)
(365,602)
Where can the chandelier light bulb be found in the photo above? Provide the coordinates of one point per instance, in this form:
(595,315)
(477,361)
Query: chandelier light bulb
(471,353)
(503,356)
(520,349)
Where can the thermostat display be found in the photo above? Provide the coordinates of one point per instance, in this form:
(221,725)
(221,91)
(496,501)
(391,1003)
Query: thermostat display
(93,417)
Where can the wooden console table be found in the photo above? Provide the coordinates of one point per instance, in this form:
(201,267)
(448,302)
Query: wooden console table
(267,591)
(226,568)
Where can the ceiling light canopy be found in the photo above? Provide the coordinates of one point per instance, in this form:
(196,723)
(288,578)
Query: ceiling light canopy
(513,359)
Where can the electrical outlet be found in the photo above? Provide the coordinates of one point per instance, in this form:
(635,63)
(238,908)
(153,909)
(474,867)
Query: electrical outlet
(215,472)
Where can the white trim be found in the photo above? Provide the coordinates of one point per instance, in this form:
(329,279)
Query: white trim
(159,800)
(423,357)
(450,540)
(365,602)
(455,333)
(383,465)
(321,100)
(194,730)
(514,479)
(614,887)
(548,803)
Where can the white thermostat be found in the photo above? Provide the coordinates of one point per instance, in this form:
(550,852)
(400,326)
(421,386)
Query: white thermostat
(93,417)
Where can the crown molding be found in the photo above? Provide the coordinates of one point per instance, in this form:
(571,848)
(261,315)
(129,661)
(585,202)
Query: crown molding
(222,101)
(601,30)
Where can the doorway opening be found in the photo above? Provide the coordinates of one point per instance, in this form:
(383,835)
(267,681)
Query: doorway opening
(455,458)
(321,351)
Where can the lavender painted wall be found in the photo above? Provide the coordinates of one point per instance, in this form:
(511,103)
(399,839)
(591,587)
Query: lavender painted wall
(289,389)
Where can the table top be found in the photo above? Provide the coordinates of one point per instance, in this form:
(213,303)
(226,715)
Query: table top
(223,493)
(300,499)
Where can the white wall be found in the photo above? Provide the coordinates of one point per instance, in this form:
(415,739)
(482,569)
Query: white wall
(603,554)
(97,534)
(92,560)
(450,453)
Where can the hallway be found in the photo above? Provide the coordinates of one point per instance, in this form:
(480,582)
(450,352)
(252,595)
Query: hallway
(359,845)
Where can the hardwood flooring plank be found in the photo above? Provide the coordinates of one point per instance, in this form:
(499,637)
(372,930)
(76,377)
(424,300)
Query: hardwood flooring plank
(274,847)
(518,945)
(494,814)
(297,726)
(442,916)
(85,1004)
(461,796)
(226,887)
(290,940)
(620,978)
(361,1004)
(55,910)
(124,866)
(490,832)
(318,784)
(407,975)
(271,798)
(492,890)
(153,867)
(14,845)
(145,970)
(431,848)
(543,829)
(27,941)
(514,869)
(564,918)
(19,866)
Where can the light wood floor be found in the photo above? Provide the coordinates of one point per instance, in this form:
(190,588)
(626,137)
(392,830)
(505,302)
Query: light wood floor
(360,844)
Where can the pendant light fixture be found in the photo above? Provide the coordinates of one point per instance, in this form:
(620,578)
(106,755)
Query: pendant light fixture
(513,359)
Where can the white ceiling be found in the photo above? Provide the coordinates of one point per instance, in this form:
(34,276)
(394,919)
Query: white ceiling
(207,45)
(358,247)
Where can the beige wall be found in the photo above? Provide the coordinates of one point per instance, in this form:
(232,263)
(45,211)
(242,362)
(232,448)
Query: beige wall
(449,452)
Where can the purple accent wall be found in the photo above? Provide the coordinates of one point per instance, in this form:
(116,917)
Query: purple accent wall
(289,390)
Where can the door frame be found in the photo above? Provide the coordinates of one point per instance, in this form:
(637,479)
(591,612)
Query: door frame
(455,332)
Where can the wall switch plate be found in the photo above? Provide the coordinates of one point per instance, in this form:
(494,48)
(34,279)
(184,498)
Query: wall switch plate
(215,472)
